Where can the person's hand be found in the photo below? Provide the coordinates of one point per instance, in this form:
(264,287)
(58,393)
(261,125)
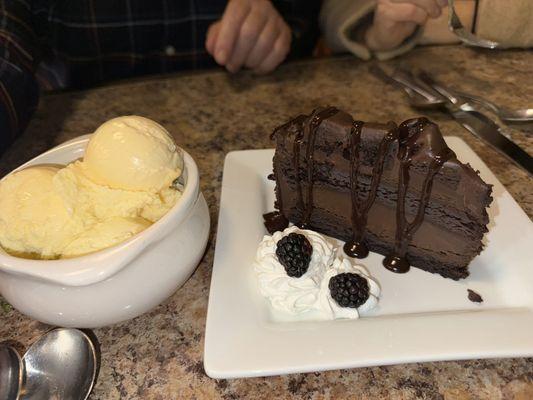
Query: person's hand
(396,20)
(250,34)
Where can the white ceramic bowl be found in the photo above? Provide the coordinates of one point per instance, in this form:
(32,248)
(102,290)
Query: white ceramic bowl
(117,283)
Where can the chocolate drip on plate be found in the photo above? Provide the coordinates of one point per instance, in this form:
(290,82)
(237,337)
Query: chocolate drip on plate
(415,136)
(474,297)
(356,247)
(275,221)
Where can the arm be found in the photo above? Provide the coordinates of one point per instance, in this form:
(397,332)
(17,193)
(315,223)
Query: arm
(19,90)
(398,21)
(387,28)
(508,22)
(343,21)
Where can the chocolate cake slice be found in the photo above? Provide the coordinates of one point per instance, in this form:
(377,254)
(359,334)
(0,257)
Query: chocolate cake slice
(395,190)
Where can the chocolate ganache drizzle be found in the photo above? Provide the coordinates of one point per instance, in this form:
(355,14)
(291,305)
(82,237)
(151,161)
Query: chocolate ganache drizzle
(309,131)
(411,145)
(275,221)
(356,247)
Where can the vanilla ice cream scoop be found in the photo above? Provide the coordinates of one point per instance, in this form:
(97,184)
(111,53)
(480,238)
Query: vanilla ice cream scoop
(133,153)
(34,219)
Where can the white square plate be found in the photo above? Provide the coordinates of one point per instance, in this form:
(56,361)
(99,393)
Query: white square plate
(420,317)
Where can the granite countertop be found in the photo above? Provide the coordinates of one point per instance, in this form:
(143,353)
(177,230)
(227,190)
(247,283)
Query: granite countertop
(159,355)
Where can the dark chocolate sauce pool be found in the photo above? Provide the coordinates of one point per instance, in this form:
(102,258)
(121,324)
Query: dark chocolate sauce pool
(396,263)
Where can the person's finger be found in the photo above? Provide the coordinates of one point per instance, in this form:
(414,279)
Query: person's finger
(431,7)
(277,55)
(403,12)
(248,34)
(211,37)
(234,15)
(264,44)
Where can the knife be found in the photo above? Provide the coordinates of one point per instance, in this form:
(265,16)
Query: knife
(481,126)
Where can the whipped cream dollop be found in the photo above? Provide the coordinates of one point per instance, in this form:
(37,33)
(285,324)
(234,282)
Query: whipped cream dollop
(292,295)
(309,293)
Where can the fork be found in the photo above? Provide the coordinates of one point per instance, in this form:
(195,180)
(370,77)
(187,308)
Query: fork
(464,34)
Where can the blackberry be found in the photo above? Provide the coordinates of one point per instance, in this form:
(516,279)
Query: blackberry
(349,290)
(294,253)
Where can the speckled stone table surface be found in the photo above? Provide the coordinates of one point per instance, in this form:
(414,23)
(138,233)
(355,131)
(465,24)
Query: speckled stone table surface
(159,355)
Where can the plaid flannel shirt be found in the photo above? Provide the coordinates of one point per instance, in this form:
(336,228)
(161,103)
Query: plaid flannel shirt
(74,43)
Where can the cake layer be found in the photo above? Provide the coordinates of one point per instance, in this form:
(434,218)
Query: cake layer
(325,161)
(437,211)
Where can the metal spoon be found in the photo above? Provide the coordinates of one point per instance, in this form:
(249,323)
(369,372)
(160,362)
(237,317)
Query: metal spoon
(432,98)
(62,364)
(520,115)
(11,373)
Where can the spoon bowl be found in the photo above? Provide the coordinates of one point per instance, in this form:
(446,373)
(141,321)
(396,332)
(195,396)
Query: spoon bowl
(62,364)
(11,373)
(507,115)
